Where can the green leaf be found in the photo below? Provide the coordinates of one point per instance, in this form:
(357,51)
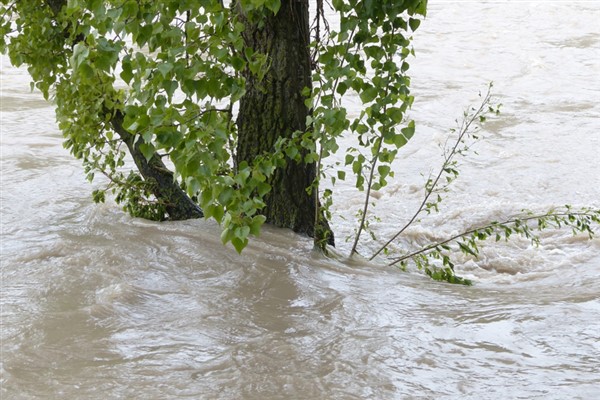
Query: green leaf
(466,249)
(192,185)
(80,53)
(127,69)
(147,150)
(273,5)
(226,195)
(242,232)
(164,68)
(86,70)
(342,88)
(349,159)
(226,235)
(263,188)
(400,140)
(409,131)
(239,244)
(356,166)
(98,196)
(414,23)
(361,128)
(395,114)
(369,94)
(215,211)
(255,225)
(170,87)
(384,170)
(238,63)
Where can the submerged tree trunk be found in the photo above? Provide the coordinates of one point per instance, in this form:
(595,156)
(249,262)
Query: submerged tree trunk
(274,107)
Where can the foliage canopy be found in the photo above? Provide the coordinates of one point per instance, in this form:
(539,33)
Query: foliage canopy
(164,79)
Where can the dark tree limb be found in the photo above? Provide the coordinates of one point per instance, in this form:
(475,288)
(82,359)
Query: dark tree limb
(178,204)
(164,186)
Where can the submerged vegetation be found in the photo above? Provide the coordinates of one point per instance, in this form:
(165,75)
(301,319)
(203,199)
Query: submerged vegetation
(436,258)
(231,111)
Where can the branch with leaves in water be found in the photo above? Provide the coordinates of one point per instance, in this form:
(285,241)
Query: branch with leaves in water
(580,221)
(449,167)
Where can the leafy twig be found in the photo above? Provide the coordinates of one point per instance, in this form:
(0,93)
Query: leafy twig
(580,221)
(432,186)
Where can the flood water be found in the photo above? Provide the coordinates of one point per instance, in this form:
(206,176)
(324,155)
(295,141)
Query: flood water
(98,305)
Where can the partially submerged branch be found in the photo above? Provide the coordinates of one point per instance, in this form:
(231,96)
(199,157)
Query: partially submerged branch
(448,167)
(178,204)
(580,221)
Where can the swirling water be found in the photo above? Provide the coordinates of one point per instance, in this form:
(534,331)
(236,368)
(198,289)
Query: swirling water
(99,305)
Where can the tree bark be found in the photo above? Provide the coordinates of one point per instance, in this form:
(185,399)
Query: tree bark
(273,108)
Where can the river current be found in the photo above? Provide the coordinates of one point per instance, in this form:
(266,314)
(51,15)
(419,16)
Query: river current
(98,305)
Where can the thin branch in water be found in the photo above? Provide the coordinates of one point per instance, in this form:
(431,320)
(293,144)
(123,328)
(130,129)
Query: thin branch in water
(430,189)
(370,180)
(558,219)
(367,197)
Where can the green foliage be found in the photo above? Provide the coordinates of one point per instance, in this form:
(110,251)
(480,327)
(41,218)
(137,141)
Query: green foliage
(366,57)
(465,135)
(174,71)
(437,259)
(527,224)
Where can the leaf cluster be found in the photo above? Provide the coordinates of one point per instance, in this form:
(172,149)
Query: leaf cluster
(160,78)
(437,259)
(366,57)
(163,79)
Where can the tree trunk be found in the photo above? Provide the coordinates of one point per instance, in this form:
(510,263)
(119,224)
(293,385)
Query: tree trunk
(274,107)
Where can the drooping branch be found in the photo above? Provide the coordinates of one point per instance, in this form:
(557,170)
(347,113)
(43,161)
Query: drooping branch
(161,180)
(177,203)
